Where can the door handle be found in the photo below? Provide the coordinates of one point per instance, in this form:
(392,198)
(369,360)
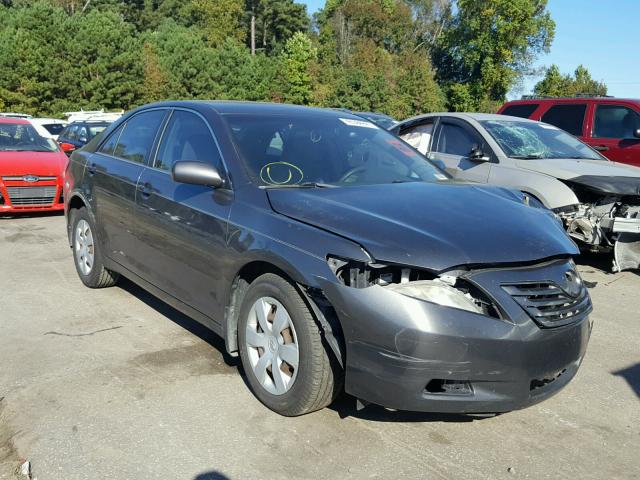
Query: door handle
(144,189)
(91,169)
(601,148)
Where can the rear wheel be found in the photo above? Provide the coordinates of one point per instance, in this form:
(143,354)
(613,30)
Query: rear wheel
(87,254)
(287,366)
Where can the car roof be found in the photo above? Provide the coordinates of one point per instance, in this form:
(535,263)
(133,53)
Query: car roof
(572,100)
(14,120)
(226,107)
(478,117)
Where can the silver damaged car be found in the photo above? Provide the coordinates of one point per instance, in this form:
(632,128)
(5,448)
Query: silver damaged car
(597,200)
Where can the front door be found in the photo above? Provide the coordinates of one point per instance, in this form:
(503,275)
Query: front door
(455,140)
(613,133)
(182,228)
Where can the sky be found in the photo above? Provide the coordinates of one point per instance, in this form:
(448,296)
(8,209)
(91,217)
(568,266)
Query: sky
(599,34)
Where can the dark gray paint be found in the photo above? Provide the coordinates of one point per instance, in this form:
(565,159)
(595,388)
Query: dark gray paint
(187,244)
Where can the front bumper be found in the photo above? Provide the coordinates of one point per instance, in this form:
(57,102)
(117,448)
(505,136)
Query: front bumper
(396,346)
(53,202)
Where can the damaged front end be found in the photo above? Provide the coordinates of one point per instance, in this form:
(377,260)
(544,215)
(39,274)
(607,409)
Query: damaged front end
(607,219)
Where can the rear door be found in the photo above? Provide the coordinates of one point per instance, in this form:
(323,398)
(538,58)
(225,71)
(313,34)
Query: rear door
(114,171)
(613,132)
(182,228)
(454,142)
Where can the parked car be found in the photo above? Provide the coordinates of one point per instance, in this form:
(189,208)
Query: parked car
(598,201)
(48,127)
(323,248)
(78,134)
(31,169)
(610,125)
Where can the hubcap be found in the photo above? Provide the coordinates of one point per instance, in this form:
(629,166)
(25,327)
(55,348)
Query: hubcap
(83,247)
(272,345)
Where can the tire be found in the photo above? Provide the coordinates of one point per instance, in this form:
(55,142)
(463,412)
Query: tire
(87,252)
(316,380)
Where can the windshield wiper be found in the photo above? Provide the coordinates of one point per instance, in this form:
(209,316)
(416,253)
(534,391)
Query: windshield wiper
(533,156)
(301,185)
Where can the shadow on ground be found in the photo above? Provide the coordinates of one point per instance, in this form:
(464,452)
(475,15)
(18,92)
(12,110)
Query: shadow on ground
(180,319)
(213,475)
(632,376)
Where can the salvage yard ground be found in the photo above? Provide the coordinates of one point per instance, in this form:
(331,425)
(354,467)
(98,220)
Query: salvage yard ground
(114,384)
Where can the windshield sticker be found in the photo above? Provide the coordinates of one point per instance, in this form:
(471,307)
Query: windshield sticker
(548,127)
(357,123)
(281,173)
(440,176)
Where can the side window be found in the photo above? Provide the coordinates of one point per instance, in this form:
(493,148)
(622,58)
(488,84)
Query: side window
(82,134)
(138,135)
(72,133)
(109,147)
(615,121)
(455,140)
(419,137)
(568,117)
(523,110)
(187,137)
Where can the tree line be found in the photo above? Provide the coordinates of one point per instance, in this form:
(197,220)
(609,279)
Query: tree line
(400,57)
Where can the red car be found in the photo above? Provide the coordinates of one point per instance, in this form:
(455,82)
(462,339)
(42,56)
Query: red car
(31,169)
(609,125)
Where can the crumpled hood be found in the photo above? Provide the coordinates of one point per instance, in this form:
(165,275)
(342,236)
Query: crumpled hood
(428,225)
(567,168)
(42,164)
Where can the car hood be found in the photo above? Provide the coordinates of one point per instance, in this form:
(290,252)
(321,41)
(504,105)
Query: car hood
(597,175)
(428,225)
(32,163)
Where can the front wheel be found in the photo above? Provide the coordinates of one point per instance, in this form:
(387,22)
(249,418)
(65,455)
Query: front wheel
(287,366)
(87,254)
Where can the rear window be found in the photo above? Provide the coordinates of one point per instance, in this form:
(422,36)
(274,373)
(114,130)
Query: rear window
(569,117)
(54,128)
(521,110)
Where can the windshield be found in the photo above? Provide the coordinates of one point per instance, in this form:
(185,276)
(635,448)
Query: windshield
(299,150)
(383,121)
(20,137)
(534,140)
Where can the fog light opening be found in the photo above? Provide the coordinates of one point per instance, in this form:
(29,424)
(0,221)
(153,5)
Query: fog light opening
(449,387)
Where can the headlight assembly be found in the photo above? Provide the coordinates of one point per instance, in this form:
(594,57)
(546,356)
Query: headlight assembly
(446,290)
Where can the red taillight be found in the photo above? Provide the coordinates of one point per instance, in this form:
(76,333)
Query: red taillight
(67,147)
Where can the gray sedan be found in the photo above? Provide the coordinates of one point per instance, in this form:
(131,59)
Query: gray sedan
(597,200)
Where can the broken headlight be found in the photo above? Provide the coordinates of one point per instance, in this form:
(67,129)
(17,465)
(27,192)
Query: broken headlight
(446,290)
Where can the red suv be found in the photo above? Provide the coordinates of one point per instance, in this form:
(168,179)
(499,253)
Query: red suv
(610,125)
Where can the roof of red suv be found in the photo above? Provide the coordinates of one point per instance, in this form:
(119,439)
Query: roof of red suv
(573,99)
(13,120)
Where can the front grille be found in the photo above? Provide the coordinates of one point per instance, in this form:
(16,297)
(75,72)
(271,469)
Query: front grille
(31,195)
(548,304)
(20,178)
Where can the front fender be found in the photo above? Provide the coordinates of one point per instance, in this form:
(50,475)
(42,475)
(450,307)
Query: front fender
(549,190)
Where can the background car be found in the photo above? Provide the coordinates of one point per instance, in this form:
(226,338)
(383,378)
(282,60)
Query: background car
(31,169)
(323,248)
(597,200)
(610,125)
(49,127)
(78,134)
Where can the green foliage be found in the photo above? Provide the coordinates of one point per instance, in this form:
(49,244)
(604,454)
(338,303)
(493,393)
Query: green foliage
(400,57)
(488,46)
(555,84)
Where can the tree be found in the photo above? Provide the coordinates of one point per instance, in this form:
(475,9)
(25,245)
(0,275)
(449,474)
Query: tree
(488,46)
(297,57)
(218,19)
(555,84)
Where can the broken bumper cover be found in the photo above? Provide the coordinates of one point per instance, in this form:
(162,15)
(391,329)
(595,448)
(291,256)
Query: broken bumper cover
(397,346)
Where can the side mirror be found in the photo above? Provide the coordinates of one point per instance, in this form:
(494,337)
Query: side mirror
(636,133)
(477,155)
(197,173)
(67,147)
